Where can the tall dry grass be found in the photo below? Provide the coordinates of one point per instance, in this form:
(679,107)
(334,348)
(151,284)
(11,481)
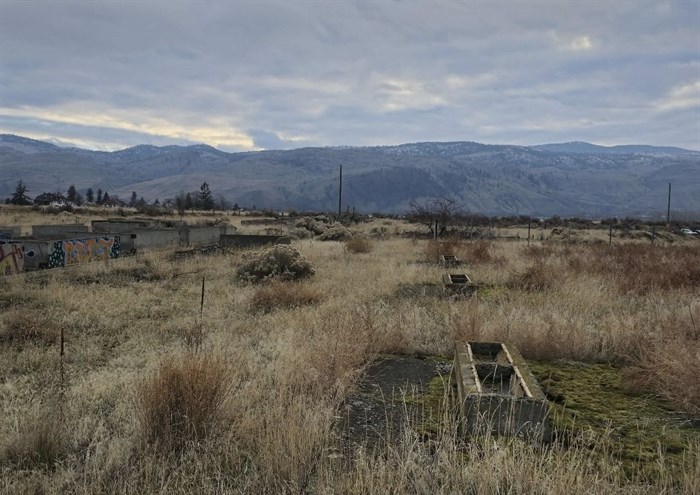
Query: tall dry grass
(183,401)
(292,368)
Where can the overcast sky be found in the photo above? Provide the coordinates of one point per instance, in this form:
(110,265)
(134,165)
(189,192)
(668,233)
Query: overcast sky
(271,75)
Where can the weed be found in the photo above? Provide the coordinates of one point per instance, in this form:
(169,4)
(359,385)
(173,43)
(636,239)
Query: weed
(280,294)
(183,400)
(359,244)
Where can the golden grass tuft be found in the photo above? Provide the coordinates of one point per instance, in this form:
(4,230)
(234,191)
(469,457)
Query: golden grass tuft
(40,442)
(22,327)
(183,400)
(281,294)
(359,244)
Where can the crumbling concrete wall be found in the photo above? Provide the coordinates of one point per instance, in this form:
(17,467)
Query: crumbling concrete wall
(118,226)
(11,259)
(9,232)
(199,236)
(154,238)
(239,240)
(57,231)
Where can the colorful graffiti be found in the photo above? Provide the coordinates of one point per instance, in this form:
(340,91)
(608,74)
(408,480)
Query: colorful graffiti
(11,259)
(73,251)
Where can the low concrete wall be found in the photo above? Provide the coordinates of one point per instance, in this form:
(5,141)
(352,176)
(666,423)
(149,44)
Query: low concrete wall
(199,236)
(252,240)
(118,226)
(11,259)
(57,231)
(55,253)
(154,238)
(9,232)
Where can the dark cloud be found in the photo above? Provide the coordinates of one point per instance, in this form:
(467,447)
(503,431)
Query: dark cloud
(249,75)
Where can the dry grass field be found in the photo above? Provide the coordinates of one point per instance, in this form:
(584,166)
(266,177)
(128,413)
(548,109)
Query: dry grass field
(154,396)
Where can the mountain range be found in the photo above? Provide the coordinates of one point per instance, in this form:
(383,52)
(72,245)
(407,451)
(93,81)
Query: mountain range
(552,179)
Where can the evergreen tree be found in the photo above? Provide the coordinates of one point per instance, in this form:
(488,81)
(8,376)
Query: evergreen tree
(105,197)
(99,196)
(90,196)
(72,194)
(133,199)
(19,197)
(206,202)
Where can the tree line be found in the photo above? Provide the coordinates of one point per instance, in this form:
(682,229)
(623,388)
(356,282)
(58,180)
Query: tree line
(202,199)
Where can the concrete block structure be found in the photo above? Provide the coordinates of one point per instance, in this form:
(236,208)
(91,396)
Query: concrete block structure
(497,393)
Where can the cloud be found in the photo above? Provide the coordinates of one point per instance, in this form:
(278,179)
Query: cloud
(254,75)
(681,97)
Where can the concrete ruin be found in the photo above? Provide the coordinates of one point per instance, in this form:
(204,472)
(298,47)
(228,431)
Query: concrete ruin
(58,231)
(245,241)
(11,258)
(450,260)
(497,393)
(458,283)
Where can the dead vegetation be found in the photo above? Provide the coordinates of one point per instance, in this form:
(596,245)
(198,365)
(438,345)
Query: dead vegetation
(358,245)
(143,416)
(280,294)
(182,401)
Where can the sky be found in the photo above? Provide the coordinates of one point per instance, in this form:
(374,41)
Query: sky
(244,76)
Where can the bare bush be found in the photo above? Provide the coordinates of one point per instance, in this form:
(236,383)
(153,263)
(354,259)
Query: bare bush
(279,294)
(281,261)
(537,277)
(183,400)
(477,252)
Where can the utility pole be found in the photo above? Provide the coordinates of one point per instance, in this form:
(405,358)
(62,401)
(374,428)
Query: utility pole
(340,191)
(668,210)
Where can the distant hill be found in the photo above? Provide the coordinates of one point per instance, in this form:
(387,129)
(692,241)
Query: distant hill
(552,179)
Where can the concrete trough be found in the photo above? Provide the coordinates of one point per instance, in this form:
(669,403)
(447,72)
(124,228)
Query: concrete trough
(458,283)
(497,393)
(450,260)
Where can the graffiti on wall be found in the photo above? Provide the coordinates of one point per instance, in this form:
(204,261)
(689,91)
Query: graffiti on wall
(73,251)
(11,259)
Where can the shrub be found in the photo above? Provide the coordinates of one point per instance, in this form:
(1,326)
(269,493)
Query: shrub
(182,401)
(359,245)
(536,277)
(476,252)
(311,225)
(335,234)
(285,295)
(281,261)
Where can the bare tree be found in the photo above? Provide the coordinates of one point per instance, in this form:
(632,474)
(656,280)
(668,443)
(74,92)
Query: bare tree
(436,213)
